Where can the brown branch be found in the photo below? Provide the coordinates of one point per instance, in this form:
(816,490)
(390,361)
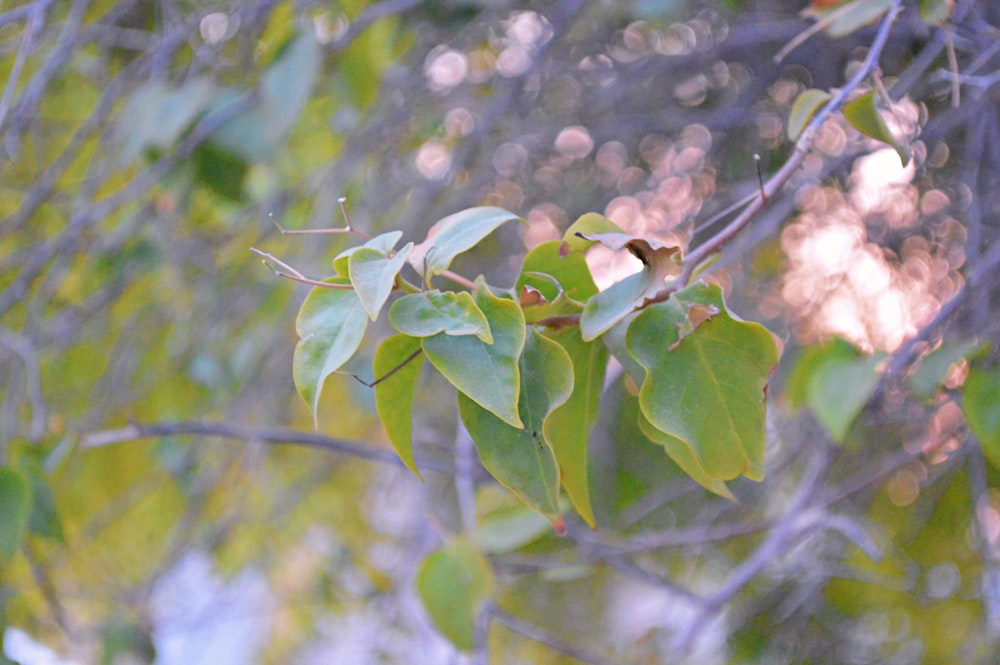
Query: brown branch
(392,371)
(137,431)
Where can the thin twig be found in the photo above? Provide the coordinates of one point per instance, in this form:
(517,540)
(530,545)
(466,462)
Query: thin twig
(536,634)
(294,275)
(821,23)
(392,371)
(802,148)
(137,431)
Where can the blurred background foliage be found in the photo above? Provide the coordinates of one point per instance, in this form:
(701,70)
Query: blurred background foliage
(145,353)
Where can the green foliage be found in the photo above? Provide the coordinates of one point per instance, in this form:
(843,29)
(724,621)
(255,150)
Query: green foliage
(864,116)
(15,510)
(835,380)
(981,404)
(805,106)
(529,364)
(454,583)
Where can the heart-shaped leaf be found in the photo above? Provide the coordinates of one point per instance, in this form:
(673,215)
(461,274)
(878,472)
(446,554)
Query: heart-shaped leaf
(433,312)
(487,374)
(455,234)
(453,584)
(705,384)
(382,243)
(521,458)
(394,394)
(373,275)
(331,325)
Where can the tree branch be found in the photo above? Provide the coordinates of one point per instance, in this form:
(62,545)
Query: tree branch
(137,431)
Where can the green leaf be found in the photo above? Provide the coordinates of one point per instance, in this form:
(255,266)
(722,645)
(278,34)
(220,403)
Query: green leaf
(373,275)
(804,108)
(455,234)
(706,378)
(509,529)
(487,374)
(571,271)
(936,12)
(331,325)
(587,224)
(453,584)
(221,170)
(15,509)
(981,405)
(616,302)
(394,395)
(44,519)
(155,115)
(282,93)
(382,243)
(684,456)
(926,380)
(568,426)
(836,381)
(863,115)
(432,312)
(522,459)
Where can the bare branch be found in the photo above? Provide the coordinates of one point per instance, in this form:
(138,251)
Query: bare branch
(138,431)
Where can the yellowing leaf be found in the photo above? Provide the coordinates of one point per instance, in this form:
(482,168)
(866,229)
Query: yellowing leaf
(567,428)
(805,106)
(394,394)
(863,115)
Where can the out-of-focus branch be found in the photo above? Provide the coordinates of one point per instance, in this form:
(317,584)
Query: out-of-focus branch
(803,146)
(536,634)
(137,431)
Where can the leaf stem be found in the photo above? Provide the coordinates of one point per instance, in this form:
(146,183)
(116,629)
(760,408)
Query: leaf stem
(288,272)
